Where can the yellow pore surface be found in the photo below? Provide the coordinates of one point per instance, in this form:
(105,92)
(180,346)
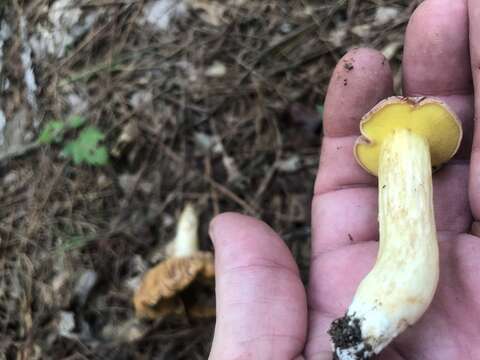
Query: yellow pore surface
(429,118)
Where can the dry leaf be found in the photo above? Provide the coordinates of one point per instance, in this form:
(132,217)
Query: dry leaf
(362,31)
(216,70)
(391,49)
(290,164)
(338,35)
(386,14)
(212,11)
(130,133)
(159,13)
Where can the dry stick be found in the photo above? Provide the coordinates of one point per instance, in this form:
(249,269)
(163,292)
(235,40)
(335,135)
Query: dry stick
(291,37)
(220,188)
(86,42)
(225,191)
(51,186)
(174,101)
(321,27)
(351,8)
(143,168)
(250,69)
(216,108)
(116,3)
(18,151)
(82,45)
(271,172)
(125,34)
(311,56)
(232,169)
(121,64)
(7,226)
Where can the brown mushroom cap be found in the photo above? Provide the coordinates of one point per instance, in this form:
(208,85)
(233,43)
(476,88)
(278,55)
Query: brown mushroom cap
(158,293)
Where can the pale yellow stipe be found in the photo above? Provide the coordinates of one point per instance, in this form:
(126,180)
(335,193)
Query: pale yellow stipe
(402,140)
(401,285)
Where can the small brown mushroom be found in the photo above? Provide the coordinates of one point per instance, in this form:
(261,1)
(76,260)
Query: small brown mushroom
(176,285)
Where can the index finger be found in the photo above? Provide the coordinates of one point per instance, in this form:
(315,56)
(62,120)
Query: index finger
(436,63)
(361,79)
(436,59)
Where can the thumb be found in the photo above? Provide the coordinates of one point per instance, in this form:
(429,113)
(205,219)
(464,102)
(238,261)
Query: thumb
(261,302)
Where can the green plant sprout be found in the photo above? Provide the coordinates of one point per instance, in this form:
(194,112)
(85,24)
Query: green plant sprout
(86,148)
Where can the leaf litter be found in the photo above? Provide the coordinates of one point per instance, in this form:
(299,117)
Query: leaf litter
(224,96)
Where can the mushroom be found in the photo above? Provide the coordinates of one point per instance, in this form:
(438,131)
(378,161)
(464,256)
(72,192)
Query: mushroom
(403,140)
(166,288)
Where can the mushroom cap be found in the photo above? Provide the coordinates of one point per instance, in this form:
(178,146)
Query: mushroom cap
(158,292)
(428,117)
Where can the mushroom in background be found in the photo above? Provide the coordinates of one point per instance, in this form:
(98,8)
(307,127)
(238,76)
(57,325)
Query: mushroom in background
(403,140)
(177,285)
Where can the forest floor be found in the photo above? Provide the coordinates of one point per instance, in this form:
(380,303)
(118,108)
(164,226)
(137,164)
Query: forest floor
(214,103)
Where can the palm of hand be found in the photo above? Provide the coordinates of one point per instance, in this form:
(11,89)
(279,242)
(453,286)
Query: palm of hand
(449,329)
(267,317)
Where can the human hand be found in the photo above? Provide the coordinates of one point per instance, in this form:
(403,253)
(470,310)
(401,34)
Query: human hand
(261,304)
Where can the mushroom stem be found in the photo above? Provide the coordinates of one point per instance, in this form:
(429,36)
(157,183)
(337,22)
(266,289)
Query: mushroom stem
(402,283)
(186,238)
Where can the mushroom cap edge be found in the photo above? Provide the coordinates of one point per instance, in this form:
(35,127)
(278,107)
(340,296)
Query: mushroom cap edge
(443,145)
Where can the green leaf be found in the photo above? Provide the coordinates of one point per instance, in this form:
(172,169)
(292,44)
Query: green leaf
(99,157)
(86,148)
(52,132)
(75,121)
(91,134)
